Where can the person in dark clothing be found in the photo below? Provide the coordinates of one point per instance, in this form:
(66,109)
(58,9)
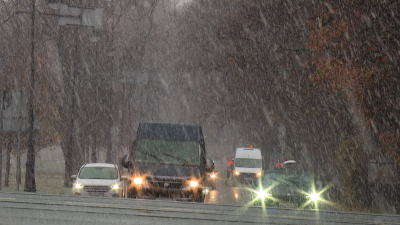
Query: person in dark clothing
(231,166)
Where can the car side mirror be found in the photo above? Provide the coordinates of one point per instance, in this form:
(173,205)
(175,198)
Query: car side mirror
(210,167)
(73,177)
(125,161)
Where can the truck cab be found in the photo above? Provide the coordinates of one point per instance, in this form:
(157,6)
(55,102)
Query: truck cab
(168,160)
(248,165)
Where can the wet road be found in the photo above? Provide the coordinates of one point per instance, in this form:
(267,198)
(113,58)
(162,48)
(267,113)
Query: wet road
(32,208)
(228,194)
(27,208)
(225,205)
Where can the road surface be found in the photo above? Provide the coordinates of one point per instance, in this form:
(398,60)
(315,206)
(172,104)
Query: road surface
(226,205)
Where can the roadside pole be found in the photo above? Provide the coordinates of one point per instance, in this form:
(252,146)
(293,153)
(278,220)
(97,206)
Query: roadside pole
(1,134)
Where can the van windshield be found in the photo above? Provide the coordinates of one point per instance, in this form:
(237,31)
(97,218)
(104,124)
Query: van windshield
(168,152)
(248,163)
(108,173)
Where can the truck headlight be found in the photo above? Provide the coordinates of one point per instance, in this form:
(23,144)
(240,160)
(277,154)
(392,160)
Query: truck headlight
(236,173)
(259,174)
(138,180)
(193,183)
(78,186)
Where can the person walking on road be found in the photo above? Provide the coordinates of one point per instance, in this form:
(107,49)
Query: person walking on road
(279,164)
(231,166)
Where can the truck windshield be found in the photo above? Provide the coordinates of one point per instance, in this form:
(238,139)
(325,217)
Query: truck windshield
(108,173)
(168,152)
(248,163)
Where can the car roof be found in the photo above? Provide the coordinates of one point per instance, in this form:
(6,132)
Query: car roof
(254,153)
(100,165)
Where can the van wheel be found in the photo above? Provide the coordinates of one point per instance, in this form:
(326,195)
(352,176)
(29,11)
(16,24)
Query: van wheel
(198,196)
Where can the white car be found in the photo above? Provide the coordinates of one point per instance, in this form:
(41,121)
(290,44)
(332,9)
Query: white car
(99,179)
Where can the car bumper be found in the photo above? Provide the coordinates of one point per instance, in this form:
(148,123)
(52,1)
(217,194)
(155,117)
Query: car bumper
(111,193)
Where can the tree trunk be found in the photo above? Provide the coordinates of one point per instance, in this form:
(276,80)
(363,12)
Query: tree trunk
(8,166)
(109,153)
(73,155)
(1,156)
(65,146)
(30,183)
(94,149)
(69,52)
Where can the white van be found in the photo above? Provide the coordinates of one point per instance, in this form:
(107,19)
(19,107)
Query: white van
(248,164)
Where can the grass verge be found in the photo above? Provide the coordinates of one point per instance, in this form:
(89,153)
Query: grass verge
(47,182)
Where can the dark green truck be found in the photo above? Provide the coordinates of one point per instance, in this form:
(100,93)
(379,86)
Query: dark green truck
(168,160)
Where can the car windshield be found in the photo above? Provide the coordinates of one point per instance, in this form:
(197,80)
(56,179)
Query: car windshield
(108,173)
(168,151)
(247,162)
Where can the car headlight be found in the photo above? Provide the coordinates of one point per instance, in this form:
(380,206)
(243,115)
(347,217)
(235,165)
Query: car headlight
(236,195)
(115,186)
(237,172)
(314,196)
(193,183)
(78,186)
(259,174)
(138,180)
(213,175)
(262,194)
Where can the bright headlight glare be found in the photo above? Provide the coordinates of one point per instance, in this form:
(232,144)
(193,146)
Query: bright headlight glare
(78,186)
(193,183)
(237,172)
(259,173)
(115,186)
(314,196)
(213,175)
(138,180)
(263,194)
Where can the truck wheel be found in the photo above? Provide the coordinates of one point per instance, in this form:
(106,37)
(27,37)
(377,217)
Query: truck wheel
(130,194)
(133,193)
(198,196)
